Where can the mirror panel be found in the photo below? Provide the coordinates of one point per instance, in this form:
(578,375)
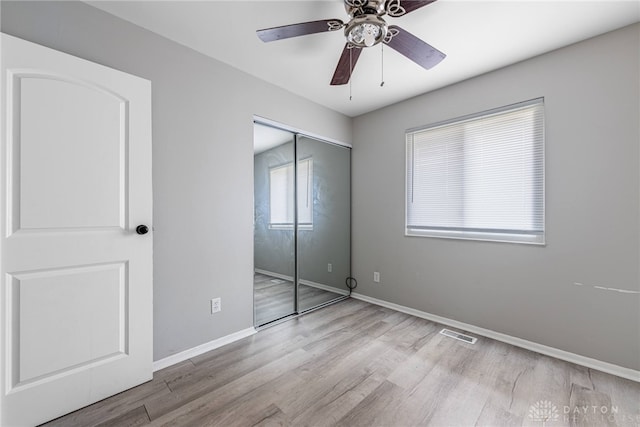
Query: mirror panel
(324,221)
(274,238)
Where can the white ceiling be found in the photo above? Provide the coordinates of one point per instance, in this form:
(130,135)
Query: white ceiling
(477,35)
(267,137)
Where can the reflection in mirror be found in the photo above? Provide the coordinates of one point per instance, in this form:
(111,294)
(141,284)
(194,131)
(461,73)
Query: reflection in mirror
(274,242)
(324,221)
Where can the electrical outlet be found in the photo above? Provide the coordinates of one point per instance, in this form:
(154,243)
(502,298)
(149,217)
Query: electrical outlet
(329,268)
(216,305)
(376,277)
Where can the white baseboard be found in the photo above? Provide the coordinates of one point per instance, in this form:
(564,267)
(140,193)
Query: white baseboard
(303,282)
(200,349)
(324,287)
(272,274)
(588,362)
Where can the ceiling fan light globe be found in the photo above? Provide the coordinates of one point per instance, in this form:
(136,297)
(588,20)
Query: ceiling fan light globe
(369,39)
(356,35)
(366,32)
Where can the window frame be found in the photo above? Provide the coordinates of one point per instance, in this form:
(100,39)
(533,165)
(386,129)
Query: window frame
(460,233)
(309,188)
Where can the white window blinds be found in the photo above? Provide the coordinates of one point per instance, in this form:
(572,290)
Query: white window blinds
(479,177)
(305,193)
(281,195)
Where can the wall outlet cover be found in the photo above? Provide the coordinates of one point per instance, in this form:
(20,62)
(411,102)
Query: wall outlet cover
(216,305)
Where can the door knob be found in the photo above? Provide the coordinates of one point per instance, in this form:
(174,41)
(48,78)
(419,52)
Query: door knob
(142,229)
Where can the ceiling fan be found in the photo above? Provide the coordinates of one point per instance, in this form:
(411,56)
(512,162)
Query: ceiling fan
(365,28)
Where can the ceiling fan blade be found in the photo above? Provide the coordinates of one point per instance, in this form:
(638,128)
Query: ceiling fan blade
(397,8)
(301,29)
(346,64)
(413,48)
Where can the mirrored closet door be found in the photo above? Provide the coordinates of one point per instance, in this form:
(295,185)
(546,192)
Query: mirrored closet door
(302,230)
(324,221)
(274,247)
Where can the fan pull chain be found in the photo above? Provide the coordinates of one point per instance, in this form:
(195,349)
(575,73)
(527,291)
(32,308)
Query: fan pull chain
(382,64)
(350,70)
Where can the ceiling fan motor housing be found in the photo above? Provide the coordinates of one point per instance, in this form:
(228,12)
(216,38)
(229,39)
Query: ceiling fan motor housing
(364,7)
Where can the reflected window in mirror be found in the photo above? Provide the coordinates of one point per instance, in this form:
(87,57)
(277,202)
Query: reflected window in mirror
(281,195)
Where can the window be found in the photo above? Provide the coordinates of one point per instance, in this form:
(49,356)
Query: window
(281,195)
(479,177)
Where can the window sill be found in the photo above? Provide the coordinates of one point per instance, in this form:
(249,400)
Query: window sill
(526,239)
(289,227)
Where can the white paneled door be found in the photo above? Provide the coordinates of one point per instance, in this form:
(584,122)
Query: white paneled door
(76,276)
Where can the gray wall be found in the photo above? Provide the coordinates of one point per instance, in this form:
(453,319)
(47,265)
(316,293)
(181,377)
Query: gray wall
(202,161)
(591,93)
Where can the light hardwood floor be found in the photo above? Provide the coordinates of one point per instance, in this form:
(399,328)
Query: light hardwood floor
(274,298)
(357,364)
